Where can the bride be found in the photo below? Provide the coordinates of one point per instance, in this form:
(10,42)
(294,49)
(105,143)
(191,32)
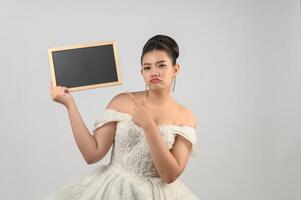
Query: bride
(152,136)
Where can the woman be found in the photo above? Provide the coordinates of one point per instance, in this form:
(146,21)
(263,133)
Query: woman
(152,136)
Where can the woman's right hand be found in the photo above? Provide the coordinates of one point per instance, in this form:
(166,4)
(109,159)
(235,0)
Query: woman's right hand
(61,95)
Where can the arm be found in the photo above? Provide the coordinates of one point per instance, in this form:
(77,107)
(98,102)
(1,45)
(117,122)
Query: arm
(169,164)
(93,147)
(84,140)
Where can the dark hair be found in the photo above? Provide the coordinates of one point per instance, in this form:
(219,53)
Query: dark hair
(162,42)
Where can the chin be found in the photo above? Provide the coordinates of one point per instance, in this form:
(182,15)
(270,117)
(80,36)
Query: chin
(156,88)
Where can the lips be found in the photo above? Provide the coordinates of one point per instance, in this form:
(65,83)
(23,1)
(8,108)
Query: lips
(155,80)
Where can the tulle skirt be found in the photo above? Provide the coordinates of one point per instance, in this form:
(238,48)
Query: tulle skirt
(114,183)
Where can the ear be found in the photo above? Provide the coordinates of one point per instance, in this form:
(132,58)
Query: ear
(176,69)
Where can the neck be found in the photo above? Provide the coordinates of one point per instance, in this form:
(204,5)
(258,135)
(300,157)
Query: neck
(159,98)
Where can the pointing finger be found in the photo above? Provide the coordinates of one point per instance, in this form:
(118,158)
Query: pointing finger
(143,101)
(133,98)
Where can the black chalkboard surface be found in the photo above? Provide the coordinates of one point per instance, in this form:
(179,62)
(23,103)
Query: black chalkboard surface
(87,66)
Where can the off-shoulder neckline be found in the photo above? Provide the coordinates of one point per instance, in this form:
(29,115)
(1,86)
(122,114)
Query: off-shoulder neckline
(159,126)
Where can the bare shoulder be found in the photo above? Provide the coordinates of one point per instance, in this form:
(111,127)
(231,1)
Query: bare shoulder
(189,118)
(119,102)
(122,101)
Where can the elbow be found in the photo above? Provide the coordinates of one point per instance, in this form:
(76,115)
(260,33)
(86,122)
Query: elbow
(170,179)
(93,160)
(89,162)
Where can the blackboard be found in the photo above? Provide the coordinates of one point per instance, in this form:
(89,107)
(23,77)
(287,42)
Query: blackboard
(85,66)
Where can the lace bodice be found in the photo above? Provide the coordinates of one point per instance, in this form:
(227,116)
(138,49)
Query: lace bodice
(130,149)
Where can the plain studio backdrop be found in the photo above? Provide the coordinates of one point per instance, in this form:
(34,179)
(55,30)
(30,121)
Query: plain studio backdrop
(240,75)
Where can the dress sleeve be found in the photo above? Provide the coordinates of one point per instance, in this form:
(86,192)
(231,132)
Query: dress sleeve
(188,133)
(107,116)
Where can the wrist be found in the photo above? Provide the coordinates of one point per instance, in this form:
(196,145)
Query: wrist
(150,126)
(70,105)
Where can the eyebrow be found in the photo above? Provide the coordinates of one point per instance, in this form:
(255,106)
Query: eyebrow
(160,61)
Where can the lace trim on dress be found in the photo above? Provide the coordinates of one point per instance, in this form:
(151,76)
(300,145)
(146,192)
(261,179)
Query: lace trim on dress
(107,116)
(188,132)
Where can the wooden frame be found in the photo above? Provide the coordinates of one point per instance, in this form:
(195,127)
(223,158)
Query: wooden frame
(56,55)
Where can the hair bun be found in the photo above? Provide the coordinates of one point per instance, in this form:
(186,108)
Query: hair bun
(162,42)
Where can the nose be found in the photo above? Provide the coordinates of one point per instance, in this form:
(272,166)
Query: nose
(154,74)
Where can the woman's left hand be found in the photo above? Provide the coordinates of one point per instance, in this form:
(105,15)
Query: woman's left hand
(140,115)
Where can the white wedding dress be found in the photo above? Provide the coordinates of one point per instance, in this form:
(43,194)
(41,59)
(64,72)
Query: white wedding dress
(131,174)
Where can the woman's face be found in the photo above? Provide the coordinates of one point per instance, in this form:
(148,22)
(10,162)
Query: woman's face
(157,64)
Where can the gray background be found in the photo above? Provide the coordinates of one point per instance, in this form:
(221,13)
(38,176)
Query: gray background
(239,74)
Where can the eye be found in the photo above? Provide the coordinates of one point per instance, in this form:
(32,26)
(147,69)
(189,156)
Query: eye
(146,68)
(162,65)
